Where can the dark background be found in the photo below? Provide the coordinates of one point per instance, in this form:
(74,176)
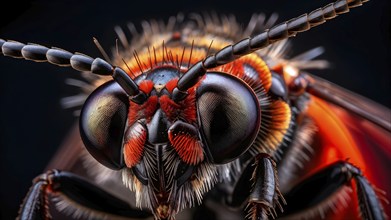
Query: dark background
(33,123)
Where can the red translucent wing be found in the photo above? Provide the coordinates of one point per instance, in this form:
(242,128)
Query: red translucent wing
(352,102)
(365,118)
(368,124)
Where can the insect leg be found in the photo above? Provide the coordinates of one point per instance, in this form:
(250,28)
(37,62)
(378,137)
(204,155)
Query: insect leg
(265,193)
(34,205)
(87,199)
(320,188)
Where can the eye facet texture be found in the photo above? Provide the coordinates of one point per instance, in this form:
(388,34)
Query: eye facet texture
(228,114)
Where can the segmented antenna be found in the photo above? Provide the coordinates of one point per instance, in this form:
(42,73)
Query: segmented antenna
(277,33)
(77,61)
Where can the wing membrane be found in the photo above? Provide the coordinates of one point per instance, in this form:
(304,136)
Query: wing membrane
(352,102)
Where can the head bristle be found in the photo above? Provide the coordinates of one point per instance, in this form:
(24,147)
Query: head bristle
(101,50)
(191,53)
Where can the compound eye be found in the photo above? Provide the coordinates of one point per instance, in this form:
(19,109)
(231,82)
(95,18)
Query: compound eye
(102,124)
(229,116)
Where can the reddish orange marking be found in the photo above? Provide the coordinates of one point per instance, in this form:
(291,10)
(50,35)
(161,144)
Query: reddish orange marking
(133,113)
(134,144)
(236,68)
(279,123)
(170,85)
(169,107)
(150,106)
(145,110)
(188,147)
(279,68)
(176,36)
(146,86)
(189,111)
(185,109)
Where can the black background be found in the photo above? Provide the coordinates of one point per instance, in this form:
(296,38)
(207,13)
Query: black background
(33,123)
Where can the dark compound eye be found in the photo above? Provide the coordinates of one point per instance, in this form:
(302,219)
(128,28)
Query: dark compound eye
(102,124)
(229,116)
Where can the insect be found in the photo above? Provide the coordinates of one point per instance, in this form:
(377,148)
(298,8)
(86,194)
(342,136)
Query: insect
(167,55)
